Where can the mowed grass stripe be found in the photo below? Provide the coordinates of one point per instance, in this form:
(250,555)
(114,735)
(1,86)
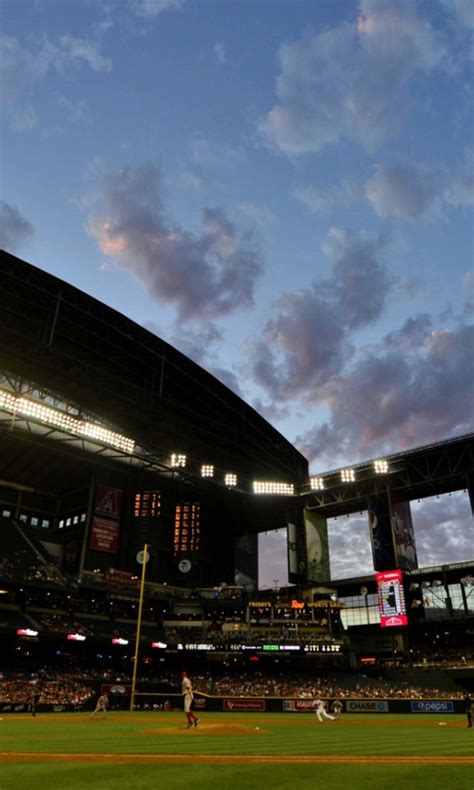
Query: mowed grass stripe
(145,734)
(85,776)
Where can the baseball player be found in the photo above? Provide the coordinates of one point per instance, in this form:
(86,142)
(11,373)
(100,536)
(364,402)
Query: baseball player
(336,709)
(321,712)
(187,692)
(101,706)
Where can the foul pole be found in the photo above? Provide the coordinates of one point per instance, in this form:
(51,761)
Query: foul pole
(139,625)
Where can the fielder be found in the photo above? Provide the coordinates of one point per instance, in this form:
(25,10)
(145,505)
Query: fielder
(101,706)
(336,709)
(187,692)
(321,712)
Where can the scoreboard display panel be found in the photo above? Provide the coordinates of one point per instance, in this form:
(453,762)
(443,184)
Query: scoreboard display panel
(391,598)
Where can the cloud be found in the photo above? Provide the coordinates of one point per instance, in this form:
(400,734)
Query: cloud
(443,529)
(77,51)
(461,191)
(200,344)
(351,81)
(204,276)
(197,343)
(15,230)
(75,111)
(204,152)
(260,215)
(443,534)
(323,199)
(196,178)
(416,191)
(316,199)
(349,546)
(209,161)
(396,396)
(220,52)
(468,288)
(462,10)
(360,281)
(149,9)
(22,69)
(306,342)
(405,191)
(273,561)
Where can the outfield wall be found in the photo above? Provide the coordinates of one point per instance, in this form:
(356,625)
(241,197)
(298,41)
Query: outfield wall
(155,702)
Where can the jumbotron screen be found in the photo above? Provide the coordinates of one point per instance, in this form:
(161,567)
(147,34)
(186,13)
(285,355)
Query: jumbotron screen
(391,598)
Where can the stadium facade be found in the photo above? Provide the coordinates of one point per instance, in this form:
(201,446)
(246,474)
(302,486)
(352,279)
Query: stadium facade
(111,439)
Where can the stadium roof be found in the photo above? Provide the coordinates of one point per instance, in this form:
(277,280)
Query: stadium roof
(418,473)
(61,343)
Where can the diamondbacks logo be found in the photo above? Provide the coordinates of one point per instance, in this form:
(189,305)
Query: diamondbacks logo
(108,501)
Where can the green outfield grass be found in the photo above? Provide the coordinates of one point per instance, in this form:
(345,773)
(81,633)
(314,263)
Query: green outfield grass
(234,735)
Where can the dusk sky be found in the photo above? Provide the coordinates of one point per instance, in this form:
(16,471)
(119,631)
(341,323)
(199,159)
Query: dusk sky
(281,189)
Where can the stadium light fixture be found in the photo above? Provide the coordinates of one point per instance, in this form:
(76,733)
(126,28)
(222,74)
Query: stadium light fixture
(264,487)
(347,475)
(381,467)
(316,483)
(65,422)
(207,470)
(230,480)
(178,460)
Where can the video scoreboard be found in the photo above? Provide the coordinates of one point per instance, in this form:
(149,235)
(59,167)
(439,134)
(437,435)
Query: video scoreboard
(391,598)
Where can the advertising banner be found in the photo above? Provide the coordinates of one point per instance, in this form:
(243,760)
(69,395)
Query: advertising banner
(255,705)
(104,535)
(298,705)
(366,706)
(108,501)
(317,547)
(381,533)
(432,706)
(292,551)
(121,689)
(118,578)
(470,488)
(296,537)
(246,561)
(403,534)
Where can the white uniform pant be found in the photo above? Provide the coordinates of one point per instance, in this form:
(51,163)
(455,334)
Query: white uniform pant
(322,714)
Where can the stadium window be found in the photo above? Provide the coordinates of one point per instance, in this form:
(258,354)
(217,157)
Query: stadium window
(374,614)
(45,523)
(61,524)
(34,521)
(6,513)
(83,517)
(75,520)
(456,597)
(23,518)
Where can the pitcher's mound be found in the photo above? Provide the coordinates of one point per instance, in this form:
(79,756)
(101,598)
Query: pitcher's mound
(207,729)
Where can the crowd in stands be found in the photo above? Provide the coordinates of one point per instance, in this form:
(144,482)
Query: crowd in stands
(75,686)
(261,685)
(66,691)
(444,658)
(20,564)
